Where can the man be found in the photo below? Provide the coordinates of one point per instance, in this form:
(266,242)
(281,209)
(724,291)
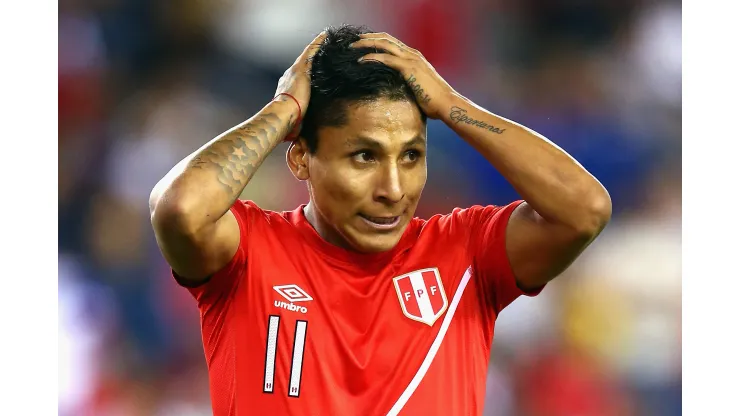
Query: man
(349,305)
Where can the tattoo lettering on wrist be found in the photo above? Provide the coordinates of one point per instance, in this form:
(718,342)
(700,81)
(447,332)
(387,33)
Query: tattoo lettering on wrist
(421,96)
(460,115)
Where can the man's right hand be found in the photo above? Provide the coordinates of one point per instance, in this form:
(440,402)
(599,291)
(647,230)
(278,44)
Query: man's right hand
(296,80)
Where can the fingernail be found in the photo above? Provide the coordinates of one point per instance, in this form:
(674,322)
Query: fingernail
(361,59)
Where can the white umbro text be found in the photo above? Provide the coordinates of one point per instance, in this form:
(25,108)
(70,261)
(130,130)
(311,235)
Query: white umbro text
(290,306)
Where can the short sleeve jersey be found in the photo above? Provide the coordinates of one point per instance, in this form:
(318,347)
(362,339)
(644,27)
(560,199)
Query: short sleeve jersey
(296,326)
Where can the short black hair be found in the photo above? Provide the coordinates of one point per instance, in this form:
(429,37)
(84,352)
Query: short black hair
(338,80)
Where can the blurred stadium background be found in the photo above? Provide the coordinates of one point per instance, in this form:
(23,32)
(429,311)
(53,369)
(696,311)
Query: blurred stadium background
(142,83)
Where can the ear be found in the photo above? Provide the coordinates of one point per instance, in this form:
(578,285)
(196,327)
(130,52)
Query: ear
(297,159)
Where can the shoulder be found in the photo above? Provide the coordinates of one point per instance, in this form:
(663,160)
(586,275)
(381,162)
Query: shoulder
(257,222)
(250,211)
(458,217)
(250,208)
(453,225)
(462,223)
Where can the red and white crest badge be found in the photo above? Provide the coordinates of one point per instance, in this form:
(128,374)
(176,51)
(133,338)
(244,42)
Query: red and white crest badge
(422,295)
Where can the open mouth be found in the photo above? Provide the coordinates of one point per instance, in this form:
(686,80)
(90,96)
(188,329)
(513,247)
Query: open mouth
(383,223)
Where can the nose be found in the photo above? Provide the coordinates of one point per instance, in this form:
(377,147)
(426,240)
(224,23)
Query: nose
(390,187)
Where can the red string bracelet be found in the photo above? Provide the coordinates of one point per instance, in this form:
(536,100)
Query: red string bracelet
(300,113)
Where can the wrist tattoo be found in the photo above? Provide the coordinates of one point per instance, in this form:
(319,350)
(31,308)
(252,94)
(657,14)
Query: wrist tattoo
(460,115)
(421,96)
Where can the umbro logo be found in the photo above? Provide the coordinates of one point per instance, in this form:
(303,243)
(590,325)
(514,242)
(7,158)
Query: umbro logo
(293,293)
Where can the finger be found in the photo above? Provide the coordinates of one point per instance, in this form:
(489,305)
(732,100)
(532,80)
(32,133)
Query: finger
(379,35)
(382,43)
(317,41)
(312,47)
(389,60)
(383,35)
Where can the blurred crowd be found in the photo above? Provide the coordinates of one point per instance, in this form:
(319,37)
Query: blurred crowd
(143,83)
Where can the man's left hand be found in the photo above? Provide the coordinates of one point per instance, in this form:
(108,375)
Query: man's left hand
(432,92)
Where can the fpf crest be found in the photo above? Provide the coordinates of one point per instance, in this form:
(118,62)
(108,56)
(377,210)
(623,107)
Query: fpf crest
(422,295)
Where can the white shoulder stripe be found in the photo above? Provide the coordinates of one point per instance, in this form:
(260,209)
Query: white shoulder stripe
(406,395)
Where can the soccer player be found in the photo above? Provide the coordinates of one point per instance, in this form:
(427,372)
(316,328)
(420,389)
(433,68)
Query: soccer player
(348,305)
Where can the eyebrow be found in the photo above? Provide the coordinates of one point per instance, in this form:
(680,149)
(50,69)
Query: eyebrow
(369,142)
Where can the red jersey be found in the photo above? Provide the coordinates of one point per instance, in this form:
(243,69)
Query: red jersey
(296,326)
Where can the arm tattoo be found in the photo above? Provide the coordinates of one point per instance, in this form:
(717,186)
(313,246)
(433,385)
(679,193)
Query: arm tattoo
(236,156)
(421,96)
(459,115)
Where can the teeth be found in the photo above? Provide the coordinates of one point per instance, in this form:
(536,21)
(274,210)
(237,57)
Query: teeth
(382,220)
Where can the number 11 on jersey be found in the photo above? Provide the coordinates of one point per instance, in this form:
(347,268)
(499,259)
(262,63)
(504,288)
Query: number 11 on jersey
(296,362)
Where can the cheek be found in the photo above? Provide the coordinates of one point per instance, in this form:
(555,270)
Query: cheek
(339,191)
(416,180)
(342,189)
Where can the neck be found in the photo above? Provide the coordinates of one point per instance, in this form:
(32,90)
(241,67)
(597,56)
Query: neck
(326,231)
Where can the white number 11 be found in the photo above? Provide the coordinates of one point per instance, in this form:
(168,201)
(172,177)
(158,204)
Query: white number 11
(296,362)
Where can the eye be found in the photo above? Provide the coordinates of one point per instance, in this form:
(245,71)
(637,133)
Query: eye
(412,155)
(363,156)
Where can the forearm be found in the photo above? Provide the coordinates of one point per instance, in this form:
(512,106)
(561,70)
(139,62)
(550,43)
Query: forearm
(549,179)
(202,187)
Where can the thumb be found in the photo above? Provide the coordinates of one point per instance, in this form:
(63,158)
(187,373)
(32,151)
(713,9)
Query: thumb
(310,50)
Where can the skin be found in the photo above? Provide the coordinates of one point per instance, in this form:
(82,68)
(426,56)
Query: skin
(565,207)
(373,166)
